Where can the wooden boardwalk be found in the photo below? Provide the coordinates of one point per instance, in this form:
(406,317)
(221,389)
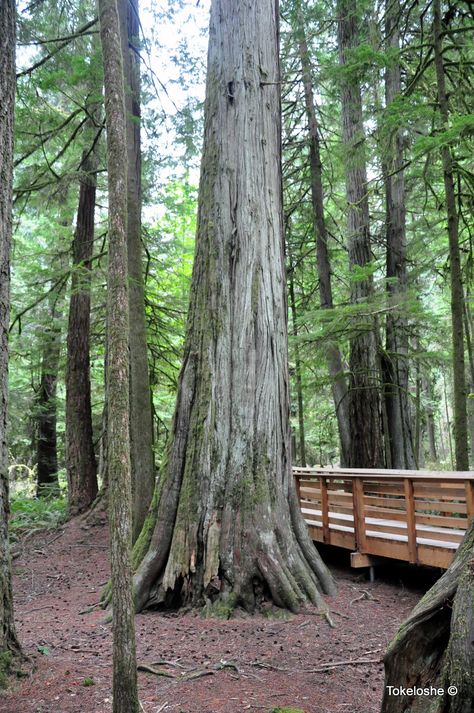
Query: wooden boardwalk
(412,515)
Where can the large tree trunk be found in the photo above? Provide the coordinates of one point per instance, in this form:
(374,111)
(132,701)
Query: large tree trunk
(457,293)
(9,645)
(141,419)
(225,524)
(364,394)
(125,696)
(80,457)
(400,436)
(333,354)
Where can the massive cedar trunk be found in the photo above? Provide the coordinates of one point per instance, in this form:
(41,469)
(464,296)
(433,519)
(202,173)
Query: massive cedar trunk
(400,436)
(8,639)
(364,397)
(80,457)
(333,354)
(141,420)
(125,697)
(457,292)
(225,524)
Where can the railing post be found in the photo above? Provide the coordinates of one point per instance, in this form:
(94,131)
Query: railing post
(411,521)
(469,498)
(359,514)
(325,509)
(298,488)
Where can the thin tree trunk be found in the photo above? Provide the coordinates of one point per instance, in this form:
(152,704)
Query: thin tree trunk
(299,385)
(364,394)
(396,372)
(470,380)
(448,421)
(457,293)
(225,525)
(125,696)
(333,354)
(80,457)
(141,419)
(430,420)
(46,404)
(9,646)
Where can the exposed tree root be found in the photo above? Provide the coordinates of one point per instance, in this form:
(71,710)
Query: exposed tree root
(434,646)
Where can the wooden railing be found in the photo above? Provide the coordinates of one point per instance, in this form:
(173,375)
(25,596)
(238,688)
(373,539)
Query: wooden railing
(412,515)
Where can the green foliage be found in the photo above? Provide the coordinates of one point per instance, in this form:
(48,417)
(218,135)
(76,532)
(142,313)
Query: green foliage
(88,681)
(30,513)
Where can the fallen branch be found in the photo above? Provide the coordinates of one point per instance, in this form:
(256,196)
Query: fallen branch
(90,608)
(365,595)
(334,664)
(149,669)
(166,663)
(196,674)
(262,664)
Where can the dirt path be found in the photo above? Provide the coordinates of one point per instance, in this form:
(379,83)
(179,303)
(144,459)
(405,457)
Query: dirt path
(270,662)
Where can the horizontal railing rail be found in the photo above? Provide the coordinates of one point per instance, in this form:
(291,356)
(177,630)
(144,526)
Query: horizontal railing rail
(412,515)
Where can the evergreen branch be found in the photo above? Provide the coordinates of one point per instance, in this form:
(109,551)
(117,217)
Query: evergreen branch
(51,54)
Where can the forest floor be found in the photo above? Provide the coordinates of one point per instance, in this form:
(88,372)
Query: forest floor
(271,662)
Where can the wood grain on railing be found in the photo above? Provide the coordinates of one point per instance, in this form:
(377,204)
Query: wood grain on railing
(417,516)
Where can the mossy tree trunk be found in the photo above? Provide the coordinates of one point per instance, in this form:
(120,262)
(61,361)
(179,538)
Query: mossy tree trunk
(333,353)
(434,646)
(125,697)
(396,385)
(141,419)
(9,645)
(225,524)
(80,456)
(457,292)
(46,400)
(366,437)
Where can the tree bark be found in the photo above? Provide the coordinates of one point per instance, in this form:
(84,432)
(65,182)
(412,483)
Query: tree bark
(364,394)
(9,645)
(333,354)
(225,526)
(301,450)
(396,385)
(46,404)
(434,645)
(141,419)
(461,448)
(125,697)
(430,420)
(80,457)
